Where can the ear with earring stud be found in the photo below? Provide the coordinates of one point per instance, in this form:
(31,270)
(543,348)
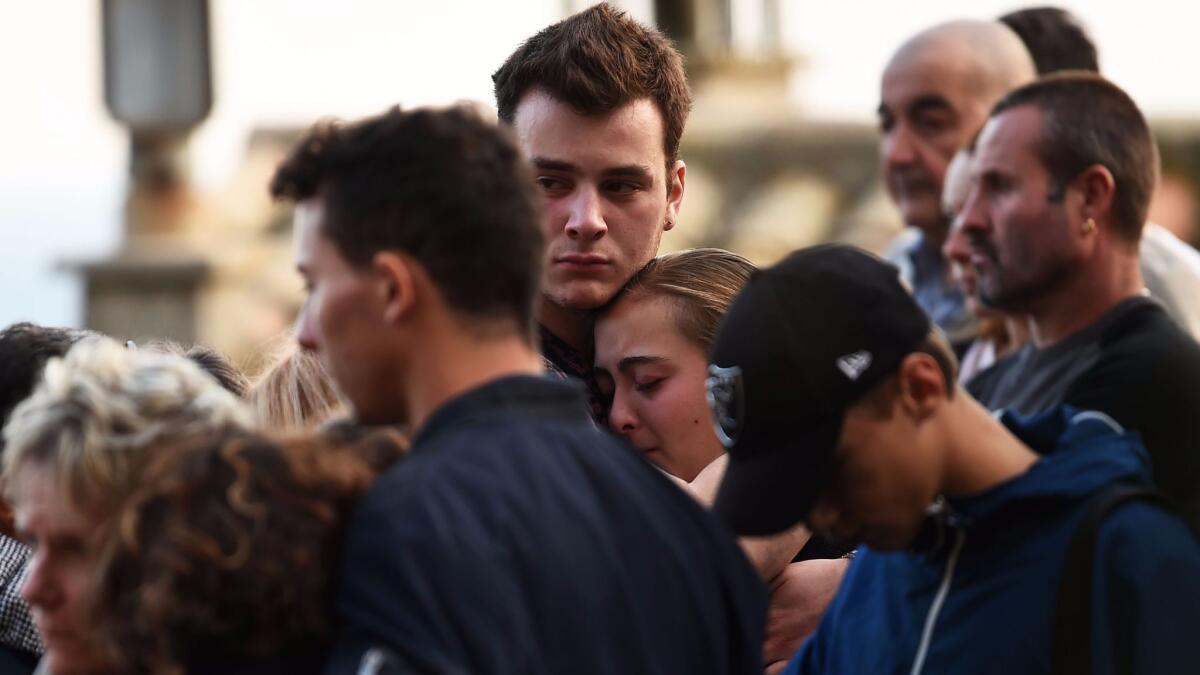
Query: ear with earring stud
(1089,226)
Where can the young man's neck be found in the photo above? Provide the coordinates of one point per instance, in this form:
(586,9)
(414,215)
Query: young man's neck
(981,452)
(1084,299)
(573,327)
(457,362)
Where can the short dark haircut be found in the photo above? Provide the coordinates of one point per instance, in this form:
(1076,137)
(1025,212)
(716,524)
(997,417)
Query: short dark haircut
(1055,39)
(24,350)
(597,61)
(445,187)
(1087,120)
(210,361)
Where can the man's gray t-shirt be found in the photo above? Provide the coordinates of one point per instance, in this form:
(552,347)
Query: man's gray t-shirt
(1134,364)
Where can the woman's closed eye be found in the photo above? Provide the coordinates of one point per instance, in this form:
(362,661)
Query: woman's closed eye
(647,385)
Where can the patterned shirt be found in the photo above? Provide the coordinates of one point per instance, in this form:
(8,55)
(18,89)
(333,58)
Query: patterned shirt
(564,361)
(924,269)
(16,624)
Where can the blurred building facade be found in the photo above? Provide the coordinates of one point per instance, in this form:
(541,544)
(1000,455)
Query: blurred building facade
(762,180)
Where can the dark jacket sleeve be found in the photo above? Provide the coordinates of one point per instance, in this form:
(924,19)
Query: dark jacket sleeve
(421,576)
(1146,594)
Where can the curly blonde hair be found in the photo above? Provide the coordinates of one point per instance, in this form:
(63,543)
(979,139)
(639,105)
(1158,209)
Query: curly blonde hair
(100,409)
(226,550)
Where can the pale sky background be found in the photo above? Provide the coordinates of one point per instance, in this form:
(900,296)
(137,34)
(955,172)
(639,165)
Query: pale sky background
(289,62)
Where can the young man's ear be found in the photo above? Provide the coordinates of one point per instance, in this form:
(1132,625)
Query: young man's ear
(397,287)
(922,385)
(676,180)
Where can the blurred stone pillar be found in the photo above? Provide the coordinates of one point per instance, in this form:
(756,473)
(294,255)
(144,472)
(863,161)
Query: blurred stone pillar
(157,83)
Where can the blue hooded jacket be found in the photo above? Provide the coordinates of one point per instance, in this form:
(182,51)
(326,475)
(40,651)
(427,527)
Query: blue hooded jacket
(982,601)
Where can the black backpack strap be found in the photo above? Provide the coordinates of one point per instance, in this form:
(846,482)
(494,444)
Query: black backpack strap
(1071,650)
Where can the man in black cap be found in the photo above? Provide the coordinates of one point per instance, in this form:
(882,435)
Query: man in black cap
(838,406)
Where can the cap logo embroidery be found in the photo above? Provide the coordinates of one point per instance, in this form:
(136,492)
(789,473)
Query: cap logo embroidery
(723,390)
(854,364)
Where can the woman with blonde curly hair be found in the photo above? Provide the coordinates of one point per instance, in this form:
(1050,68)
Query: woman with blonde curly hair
(223,557)
(73,451)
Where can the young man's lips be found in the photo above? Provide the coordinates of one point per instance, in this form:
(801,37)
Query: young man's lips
(582,261)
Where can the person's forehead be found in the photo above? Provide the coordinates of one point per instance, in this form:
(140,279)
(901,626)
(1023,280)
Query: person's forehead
(937,71)
(311,248)
(551,129)
(641,326)
(1008,139)
(41,505)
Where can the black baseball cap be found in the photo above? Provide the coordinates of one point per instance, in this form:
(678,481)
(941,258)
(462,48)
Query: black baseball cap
(803,341)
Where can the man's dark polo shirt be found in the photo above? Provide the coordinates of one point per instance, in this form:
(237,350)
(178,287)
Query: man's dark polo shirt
(1133,364)
(519,538)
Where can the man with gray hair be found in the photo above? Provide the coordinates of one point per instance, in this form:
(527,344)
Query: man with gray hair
(935,95)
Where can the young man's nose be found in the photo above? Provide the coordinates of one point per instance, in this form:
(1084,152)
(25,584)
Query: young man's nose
(305,334)
(584,220)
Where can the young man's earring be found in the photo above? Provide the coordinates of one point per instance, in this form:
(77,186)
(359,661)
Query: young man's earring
(1089,226)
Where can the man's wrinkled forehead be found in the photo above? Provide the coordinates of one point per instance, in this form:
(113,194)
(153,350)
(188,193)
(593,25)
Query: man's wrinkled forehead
(935,73)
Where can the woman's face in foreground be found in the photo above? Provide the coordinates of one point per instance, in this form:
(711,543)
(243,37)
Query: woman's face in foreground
(58,584)
(656,377)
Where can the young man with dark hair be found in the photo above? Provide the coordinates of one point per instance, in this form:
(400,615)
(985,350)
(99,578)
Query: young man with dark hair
(853,424)
(517,537)
(1062,178)
(599,103)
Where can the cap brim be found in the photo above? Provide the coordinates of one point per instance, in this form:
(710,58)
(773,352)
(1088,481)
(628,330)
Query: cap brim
(765,492)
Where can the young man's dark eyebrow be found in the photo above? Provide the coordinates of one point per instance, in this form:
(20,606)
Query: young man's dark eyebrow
(631,361)
(630,171)
(553,164)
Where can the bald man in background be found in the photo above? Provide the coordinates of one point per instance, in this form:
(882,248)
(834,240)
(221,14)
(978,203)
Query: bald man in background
(935,95)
